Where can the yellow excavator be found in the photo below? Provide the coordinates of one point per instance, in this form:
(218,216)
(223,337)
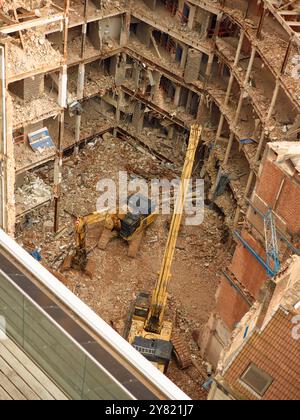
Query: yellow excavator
(128,225)
(149,333)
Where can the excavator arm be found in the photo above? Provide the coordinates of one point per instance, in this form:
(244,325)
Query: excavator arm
(158,304)
(80,257)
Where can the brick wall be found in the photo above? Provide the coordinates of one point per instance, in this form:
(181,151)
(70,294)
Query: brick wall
(230,305)
(245,266)
(288,205)
(269,183)
(28,89)
(270,189)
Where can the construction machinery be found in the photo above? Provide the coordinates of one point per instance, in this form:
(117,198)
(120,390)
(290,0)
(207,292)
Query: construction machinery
(128,223)
(149,333)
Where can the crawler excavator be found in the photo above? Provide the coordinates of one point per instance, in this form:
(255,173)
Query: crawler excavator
(149,332)
(128,224)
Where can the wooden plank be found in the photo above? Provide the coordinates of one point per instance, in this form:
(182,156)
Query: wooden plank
(4,396)
(20,377)
(289,13)
(35,371)
(10,389)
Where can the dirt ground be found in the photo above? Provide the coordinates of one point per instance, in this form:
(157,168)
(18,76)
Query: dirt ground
(199,257)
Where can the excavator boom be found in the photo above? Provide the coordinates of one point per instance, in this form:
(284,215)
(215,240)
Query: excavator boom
(149,333)
(159,298)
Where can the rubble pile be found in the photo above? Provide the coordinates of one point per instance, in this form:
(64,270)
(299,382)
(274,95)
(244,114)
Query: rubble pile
(9,5)
(33,109)
(33,193)
(37,52)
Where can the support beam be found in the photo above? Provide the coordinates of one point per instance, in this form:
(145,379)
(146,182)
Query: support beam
(29,24)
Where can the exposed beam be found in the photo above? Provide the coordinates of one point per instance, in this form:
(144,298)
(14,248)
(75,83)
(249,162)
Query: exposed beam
(16,27)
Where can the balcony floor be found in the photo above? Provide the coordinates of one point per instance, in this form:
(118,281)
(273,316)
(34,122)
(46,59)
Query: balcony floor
(21,379)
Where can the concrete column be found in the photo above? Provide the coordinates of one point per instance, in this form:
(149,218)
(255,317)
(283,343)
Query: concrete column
(136,75)
(184,57)
(62,87)
(250,65)
(8,174)
(80,95)
(155,88)
(63,103)
(80,81)
(286,57)
(229,147)
(260,145)
(274,99)
(236,61)
(261,22)
(138,118)
(113,64)
(125,32)
(220,128)
(177,95)
(209,67)
(171,130)
(189,101)
(231,138)
(240,104)
(120,103)
(77,133)
(191,17)
(83,40)
(84,28)
(271,109)
(58,171)
(249,183)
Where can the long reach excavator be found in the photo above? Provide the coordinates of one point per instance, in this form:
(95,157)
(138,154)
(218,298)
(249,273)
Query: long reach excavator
(149,332)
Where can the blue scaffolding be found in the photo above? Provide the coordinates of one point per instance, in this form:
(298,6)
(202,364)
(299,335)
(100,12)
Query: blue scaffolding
(272,251)
(272,265)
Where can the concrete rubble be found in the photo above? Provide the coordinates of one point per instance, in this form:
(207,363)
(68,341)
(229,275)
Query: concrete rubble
(34,193)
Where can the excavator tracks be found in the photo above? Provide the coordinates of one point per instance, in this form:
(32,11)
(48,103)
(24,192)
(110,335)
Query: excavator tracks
(181,352)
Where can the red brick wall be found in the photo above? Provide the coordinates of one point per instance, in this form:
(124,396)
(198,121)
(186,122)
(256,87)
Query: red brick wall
(230,305)
(269,183)
(288,205)
(246,268)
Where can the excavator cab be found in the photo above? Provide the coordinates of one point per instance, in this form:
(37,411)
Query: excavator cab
(141,213)
(139,204)
(129,225)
